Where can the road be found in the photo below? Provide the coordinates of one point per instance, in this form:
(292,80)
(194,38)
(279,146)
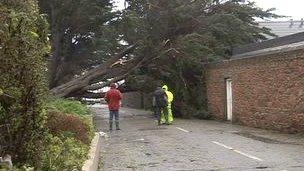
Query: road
(194,145)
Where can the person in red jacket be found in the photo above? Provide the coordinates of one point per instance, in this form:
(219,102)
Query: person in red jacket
(113,98)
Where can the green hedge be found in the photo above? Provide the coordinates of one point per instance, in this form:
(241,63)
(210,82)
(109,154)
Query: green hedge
(70,133)
(68,106)
(23,47)
(64,153)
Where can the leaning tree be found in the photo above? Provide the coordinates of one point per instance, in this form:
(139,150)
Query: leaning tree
(174,39)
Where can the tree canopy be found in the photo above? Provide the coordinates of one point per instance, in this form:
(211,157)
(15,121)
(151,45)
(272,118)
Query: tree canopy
(83,36)
(174,40)
(181,36)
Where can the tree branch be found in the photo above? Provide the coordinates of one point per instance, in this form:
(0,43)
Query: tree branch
(102,85)
(118,74)
(86,79)
(90,95)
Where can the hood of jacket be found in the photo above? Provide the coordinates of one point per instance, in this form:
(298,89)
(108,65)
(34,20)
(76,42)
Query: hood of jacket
(165,87)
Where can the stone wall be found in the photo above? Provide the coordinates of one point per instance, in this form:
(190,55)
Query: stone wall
(268,90)
(137,100)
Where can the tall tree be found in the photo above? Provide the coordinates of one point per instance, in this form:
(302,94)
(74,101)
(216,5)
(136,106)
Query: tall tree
(83,36)
(175,39)
(186,34)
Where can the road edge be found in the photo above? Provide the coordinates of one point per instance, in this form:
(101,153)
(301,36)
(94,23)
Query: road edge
(91,164)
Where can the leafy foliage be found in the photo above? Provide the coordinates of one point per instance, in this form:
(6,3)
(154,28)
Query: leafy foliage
(83,36)
(68,106)
(23,48)
(70,134)
(23,45)
(181,36)
(64,153)
(70,126)
(2,113)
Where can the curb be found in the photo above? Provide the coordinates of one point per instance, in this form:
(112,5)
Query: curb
(91,164)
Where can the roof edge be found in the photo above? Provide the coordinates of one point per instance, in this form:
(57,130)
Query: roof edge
(290,39)
(268,51)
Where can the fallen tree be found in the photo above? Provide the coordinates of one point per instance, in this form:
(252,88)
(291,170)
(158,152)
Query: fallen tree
(97,95)
(95,75)
(114,70)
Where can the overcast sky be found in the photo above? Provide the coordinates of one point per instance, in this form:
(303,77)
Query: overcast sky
(294,8)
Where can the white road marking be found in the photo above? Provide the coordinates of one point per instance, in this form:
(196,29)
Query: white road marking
(248,155)
(237,151)
(141,139)
(223,145)
(182,129)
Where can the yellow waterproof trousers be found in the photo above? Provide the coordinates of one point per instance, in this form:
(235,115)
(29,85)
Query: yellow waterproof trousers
(170,117)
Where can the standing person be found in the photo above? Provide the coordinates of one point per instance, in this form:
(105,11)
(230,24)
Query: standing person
(160,101)
(170,99)
(113,98)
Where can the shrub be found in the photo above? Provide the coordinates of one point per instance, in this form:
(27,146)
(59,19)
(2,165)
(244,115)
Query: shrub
(69,125)
(68,106)
(70,133)
(23,46)
(23,168)
(190,112)
(64,153)
(2,113)
(202,114)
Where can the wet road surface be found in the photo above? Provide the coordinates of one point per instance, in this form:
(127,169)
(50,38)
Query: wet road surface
(194,145)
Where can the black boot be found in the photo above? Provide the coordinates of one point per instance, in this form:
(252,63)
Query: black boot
(117,126)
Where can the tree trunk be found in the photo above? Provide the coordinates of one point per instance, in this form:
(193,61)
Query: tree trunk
(79,83)
(57,42)
(91,95)
(102,85)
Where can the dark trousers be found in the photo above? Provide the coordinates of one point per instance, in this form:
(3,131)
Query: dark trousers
(158,111)
(114,114)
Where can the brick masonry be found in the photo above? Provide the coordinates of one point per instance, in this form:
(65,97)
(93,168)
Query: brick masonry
(268,91)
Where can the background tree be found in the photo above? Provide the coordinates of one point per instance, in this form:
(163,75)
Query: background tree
(174,40)
(23,45)
(183,36)
(83,36)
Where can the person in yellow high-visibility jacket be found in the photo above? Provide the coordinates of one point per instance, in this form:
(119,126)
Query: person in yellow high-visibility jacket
(170,99)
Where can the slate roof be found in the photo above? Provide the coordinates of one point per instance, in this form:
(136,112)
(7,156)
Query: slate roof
(277,42)
(284,28)
(270,50)
(290,37)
